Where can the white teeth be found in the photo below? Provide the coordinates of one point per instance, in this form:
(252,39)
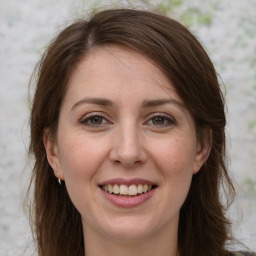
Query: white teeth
(116,189)
(145,188)
(132,190)
(110,189)
(140,189)
(122,189)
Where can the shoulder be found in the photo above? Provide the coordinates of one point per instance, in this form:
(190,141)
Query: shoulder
(243,253)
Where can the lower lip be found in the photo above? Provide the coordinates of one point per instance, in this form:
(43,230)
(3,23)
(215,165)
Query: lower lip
(128,202)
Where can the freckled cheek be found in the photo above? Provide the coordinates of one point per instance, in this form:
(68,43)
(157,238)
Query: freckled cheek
(176,166)
(174,160)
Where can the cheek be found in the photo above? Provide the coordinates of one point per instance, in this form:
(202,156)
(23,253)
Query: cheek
(80,161)
(80,157)
(177,155)
(175,161)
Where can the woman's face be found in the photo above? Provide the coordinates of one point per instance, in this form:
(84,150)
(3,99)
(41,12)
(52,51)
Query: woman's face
(126,146)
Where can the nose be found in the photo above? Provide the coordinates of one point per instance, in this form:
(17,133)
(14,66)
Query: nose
(128,149)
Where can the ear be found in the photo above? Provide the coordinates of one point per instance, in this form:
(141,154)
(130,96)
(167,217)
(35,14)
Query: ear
(52,153)
(203,149)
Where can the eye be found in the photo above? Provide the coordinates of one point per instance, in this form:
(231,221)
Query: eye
(95,119)
(161,120)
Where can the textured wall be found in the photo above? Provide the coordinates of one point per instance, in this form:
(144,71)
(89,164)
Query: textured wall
(227,29)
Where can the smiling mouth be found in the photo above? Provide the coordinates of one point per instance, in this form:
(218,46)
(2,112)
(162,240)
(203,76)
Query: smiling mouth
(123,190)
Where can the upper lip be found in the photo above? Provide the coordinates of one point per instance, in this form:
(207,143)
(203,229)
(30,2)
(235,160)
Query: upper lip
(128,182)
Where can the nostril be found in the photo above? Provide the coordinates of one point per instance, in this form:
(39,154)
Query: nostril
(117,161)
(126,163)
(127,152)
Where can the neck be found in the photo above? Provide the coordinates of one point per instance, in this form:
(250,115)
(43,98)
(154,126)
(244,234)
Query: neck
(159,244)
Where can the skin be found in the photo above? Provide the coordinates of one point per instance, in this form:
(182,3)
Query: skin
(133,138)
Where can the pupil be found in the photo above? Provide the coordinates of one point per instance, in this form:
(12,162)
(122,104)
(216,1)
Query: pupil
(97,120)
(158,120)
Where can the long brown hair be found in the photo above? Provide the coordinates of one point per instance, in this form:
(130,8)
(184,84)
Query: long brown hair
(203,228)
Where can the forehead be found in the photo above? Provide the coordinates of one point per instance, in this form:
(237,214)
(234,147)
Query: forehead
(114,71)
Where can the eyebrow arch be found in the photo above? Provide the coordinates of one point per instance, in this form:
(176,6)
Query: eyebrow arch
(96,101)
(159,102)
(108,103)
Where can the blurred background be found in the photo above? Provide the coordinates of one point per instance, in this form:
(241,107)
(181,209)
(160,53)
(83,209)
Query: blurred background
(226,28)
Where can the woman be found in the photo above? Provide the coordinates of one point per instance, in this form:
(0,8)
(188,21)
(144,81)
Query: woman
(128,116)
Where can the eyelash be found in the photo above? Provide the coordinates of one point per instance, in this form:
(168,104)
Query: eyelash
(168,120)
(87,118)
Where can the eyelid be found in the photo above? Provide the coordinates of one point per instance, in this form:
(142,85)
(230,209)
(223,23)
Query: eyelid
(167,117)
(94,114)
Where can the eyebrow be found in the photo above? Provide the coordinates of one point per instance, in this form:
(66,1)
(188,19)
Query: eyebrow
(108,103)
(96,101)
(159,102)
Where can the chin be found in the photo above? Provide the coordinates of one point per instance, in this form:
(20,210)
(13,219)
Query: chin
(129,229)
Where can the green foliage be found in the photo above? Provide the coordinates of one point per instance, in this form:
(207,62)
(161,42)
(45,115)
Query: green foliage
(169,6)
(191,15)
(195,16)
(250,185)
(252,126)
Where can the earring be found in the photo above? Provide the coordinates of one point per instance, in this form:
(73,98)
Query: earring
(59,178)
